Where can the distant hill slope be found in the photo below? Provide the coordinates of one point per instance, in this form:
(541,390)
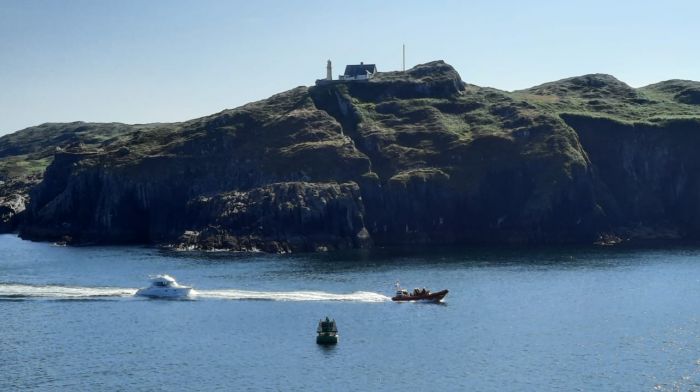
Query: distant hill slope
(407,157)
(25,154)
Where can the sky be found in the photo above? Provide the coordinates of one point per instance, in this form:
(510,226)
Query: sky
(172,60)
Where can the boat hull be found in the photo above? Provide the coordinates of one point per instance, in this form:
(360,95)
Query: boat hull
(165,292)
(432,297)
(327,340)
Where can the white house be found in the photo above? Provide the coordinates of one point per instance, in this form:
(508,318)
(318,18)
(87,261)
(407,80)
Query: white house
(360,71)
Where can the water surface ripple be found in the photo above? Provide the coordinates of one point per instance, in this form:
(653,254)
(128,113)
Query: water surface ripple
(516,319)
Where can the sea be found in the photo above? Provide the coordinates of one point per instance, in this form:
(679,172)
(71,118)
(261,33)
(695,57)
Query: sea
(515,319)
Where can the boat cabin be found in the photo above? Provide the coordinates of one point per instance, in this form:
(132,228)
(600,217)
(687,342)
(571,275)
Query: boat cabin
(162,281)
(327,332)
(327,327)
(401,293)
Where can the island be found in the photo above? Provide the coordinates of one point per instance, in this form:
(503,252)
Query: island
(372,159)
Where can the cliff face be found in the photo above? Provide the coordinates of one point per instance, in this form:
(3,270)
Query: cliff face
(647,174)
(24,155)
(281,217)
(459,163)
(281,158)
(414,157)
(13,201)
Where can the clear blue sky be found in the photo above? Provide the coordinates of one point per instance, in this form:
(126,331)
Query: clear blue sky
(162,61)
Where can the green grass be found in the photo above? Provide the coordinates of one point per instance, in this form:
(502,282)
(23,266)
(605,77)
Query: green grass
(23,166)
(612,98)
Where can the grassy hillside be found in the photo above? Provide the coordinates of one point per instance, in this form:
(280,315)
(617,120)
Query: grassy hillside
(602,95)
(27,153)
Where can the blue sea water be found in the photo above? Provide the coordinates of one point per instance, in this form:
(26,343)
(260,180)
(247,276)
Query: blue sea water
(555,319)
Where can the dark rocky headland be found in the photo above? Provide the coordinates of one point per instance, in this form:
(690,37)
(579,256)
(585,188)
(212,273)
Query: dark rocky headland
(415,157)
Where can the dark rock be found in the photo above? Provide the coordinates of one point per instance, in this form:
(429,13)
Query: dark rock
(690,96)
(10,208)
(279,218)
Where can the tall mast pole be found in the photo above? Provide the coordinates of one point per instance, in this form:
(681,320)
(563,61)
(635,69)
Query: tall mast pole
(404,57)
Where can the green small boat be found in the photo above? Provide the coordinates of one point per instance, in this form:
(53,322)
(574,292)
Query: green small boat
(327,332)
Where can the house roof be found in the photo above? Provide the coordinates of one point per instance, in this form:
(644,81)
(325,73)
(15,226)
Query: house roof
(360,69)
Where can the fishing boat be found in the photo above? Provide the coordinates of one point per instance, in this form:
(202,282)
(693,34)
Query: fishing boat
(417,294)
(327,332)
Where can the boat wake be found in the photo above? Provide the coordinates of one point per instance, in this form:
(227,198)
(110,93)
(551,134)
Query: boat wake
(357,296)
(15,291)
(22,291)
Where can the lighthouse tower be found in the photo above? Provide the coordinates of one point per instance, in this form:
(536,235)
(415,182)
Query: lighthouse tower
(329,71)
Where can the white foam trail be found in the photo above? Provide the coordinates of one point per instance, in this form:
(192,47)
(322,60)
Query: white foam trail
(357,296)
(18,291)
(11,290)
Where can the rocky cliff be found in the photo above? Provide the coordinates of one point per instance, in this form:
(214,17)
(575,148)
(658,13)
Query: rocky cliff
(407,157)
(24,155)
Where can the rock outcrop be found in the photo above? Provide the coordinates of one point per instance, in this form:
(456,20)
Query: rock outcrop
(11,208)
(280,217)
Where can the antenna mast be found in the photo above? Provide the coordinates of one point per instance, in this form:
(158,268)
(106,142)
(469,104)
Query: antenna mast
(404,57)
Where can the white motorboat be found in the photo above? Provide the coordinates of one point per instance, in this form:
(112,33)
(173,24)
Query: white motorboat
(165,286)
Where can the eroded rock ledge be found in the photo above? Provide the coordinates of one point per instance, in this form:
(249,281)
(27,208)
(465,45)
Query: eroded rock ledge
(283,217)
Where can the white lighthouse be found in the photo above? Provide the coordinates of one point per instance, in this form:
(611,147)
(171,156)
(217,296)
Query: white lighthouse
(329,71)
